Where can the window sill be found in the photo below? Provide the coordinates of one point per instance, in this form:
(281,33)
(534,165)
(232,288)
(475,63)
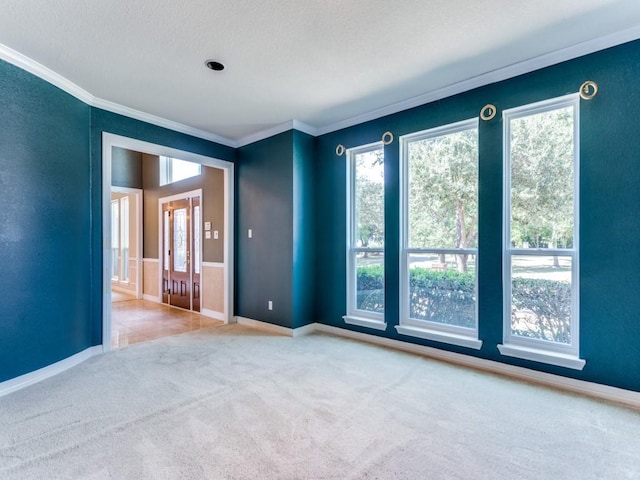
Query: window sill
(365,322)
(440,336)
(542,356)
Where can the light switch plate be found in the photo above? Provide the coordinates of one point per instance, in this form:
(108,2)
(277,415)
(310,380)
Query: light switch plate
(250,233)
(207,226)
(207,235)
(215,234)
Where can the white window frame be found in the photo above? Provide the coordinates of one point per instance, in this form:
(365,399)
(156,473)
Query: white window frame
(120,229)
(166,170)
(451,334)
(529,348)
(354,315)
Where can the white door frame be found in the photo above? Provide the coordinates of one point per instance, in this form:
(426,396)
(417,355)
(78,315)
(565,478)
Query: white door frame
(137,194)
(110,140)
(161,201)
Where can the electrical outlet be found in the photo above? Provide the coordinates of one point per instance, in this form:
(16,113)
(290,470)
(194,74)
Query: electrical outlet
(270,305)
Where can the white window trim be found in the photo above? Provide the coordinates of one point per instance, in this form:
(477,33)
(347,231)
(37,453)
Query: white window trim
(450,334)
(528,348)
(166,170)
(354,315)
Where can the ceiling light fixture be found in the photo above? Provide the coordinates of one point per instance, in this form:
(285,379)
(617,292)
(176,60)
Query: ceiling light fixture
(213,65)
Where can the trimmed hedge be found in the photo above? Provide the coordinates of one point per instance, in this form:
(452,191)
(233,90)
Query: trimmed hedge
(446,297)
(543,307)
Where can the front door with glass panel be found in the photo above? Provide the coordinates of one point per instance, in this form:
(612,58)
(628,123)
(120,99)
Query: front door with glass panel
(181,259)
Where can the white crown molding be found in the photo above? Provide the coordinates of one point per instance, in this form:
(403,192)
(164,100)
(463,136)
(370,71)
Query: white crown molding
(25,63)
(304,128)
(15,58)
(520,68)
(272,131)
(162,122)
(19,60)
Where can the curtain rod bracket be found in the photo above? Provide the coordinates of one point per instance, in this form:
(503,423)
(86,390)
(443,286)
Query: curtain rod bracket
(588,90)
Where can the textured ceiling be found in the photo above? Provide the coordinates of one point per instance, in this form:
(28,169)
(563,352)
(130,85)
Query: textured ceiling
(316,61)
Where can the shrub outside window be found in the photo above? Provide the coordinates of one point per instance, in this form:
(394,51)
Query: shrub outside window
(440,234)
(365,236)
(540,260)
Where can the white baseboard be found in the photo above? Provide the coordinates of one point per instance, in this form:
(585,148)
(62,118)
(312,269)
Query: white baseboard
(30,378)
(121,289)
(151,298)
(213,314)
(269,327)
(621,396)
(306,330)
(603,392)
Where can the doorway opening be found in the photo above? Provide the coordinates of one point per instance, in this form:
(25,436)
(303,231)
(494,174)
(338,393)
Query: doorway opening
(181,248)
(189,280)
(126,242)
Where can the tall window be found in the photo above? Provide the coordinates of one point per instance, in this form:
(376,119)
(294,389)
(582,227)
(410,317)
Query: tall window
(115,239)
(124,239)
(440,234)
(365,241)
(173,170)
(120,239)
(541,232)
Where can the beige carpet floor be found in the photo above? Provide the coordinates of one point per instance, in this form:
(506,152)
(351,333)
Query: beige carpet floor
(233,403)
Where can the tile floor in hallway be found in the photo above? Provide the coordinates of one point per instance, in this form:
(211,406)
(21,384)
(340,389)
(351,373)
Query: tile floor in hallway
(136,321)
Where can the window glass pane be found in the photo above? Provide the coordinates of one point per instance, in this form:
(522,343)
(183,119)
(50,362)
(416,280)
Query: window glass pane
(442,291)
(369,199)
(173,170)
(115,237)
(115,224)
(370,281)
(542,180)
(196,239)
(443,191)
(541,297)
(180,240)
(181,169)
(124,237)
(165,170)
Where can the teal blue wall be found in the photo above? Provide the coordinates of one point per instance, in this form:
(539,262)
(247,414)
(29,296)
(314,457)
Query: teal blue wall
(291,190)
(303,229)
(44,224)
(274,198)
(609,220)
(264,204)
(50,223)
